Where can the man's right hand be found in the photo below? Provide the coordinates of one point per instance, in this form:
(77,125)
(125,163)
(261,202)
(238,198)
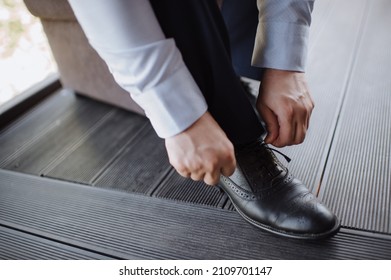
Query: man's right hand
(202,152)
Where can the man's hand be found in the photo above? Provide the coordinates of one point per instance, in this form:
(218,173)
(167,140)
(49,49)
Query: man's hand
(285,105)
(202,152)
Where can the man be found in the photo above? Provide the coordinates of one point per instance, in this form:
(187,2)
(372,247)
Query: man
(173,56)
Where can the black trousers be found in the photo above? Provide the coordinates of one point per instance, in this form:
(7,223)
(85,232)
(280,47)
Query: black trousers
(201,35)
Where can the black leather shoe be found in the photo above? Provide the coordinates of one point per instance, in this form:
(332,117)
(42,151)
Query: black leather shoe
(265,194)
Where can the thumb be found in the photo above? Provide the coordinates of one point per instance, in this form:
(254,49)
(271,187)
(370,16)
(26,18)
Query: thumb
(272,125)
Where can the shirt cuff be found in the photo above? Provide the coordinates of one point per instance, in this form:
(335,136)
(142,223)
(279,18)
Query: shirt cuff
(281,45)
(173,105)
(159,81)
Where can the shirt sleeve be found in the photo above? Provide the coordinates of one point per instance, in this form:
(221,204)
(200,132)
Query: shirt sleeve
(128,37)
(282,34)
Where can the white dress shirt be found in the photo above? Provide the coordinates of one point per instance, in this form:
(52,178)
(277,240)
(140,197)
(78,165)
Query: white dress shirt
(128,37)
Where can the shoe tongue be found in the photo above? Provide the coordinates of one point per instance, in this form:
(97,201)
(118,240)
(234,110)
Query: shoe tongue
(258,154)
(272,164)
(259,163)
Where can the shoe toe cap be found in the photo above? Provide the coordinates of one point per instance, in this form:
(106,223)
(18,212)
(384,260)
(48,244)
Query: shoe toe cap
(310,217)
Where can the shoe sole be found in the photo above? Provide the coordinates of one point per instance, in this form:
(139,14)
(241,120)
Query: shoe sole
(295,235)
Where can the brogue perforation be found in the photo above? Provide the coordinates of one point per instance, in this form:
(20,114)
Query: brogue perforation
(267,195)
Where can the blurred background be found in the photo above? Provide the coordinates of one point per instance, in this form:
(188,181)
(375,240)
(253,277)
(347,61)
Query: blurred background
(25,56)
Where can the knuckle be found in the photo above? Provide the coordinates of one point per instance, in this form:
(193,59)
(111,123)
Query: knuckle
(299,141)
(281,143)
(304,109)
(312,102)
(228,171)
(208,182)
(289,112)
(309,109)
(197,177)
(302,137)
(181,168)
(171,161)
(231,160)
(175,162)
(284,144)
(230,152)
(212,180)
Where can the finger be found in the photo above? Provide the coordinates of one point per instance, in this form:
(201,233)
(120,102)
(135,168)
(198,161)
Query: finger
(229,167)
(300,133)
(272,125)
(197,176)
(302,125)
(311,100)
(299,127)
(309,116)
(286,134)
(212,178)
(184,174)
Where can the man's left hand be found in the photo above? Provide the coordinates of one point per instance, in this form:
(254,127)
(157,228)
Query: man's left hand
(285,105)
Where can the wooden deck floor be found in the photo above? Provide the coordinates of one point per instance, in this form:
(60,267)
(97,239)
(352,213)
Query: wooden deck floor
(81,179)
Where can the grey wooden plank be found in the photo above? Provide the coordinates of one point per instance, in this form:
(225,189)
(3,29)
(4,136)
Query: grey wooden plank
(16,245)
(24,101)
(63,133)
(357,181)
(36,122)
(91,156)
(139,167)
(179,188)
(131,226)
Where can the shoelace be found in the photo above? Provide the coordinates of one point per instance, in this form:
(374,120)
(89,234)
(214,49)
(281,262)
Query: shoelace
(288,159)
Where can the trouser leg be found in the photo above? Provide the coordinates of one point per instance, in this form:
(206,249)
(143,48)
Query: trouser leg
(200,34)
(241,19)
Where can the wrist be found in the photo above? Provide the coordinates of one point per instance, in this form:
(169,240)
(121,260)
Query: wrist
(271,74)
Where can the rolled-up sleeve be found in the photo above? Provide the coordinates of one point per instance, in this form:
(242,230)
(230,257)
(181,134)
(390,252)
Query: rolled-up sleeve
(282,34)
(127,35)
